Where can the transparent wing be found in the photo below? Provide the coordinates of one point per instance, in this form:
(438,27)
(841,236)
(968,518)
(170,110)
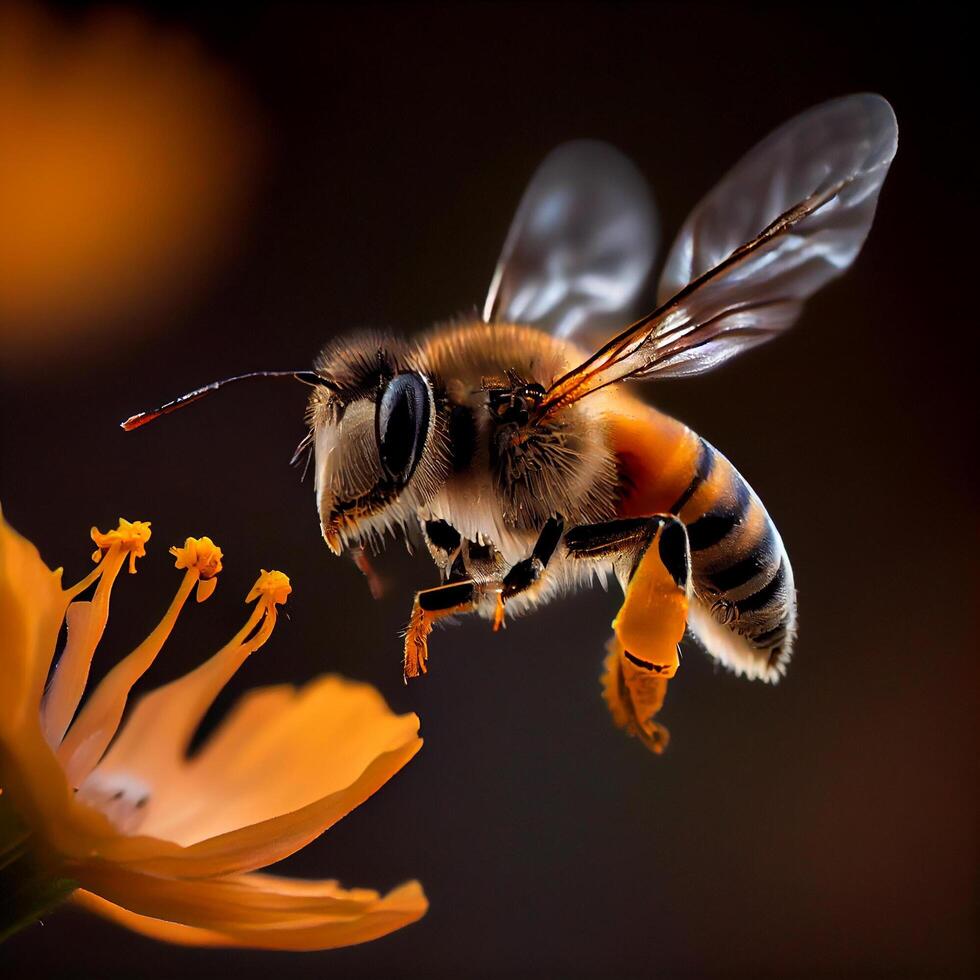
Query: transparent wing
(581,245)
(838,140)
(789,217)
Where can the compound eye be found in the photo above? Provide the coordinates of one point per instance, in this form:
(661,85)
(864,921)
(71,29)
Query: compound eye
(402,424)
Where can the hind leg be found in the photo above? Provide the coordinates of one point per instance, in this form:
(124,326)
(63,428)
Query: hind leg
(634,697)
(652,561)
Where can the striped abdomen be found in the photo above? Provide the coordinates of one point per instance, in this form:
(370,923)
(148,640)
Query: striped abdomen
(746,609)
(741,570)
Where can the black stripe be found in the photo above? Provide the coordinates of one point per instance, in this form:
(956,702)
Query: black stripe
(770,637)
(709,529)
(765,595)
(645,664)
(706,461)
(737,574)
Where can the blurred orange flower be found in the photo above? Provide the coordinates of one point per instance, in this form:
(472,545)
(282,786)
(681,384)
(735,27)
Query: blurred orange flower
(133,829)
(124,154)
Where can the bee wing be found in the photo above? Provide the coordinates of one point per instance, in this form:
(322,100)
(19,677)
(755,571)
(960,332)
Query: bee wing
(790,216)
(580,247)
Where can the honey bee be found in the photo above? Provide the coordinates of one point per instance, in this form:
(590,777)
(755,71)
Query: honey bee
(528,466)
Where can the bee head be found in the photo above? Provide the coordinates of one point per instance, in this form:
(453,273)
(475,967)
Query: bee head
(374,430)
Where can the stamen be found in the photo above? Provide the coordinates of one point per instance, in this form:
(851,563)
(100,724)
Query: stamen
(203,555)
(184,702)
(130,536)
(86,624)
(272,587)
(93,730)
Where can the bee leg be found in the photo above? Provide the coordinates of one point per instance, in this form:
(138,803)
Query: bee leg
(652,560)
(620,542)
(464,596)
(429,606)
(528,571)
(634,697)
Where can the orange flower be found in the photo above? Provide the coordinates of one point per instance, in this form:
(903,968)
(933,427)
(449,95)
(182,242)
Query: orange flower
(128,825)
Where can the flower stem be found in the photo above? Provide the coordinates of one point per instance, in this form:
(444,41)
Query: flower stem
(28,890)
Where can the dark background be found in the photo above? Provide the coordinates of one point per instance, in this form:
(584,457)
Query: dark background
(823,827)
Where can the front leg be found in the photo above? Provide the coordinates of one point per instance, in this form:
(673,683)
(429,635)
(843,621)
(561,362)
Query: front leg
(652,561)
(431,605)
(465,596)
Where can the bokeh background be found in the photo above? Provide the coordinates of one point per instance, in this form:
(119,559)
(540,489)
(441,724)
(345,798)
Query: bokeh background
(191,192)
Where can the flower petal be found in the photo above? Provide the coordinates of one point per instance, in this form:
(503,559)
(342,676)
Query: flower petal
(278,751)
(283,768)
(32,606)
(260,911)
(165,931)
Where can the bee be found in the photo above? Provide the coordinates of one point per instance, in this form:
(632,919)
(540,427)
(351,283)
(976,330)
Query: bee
(518,447)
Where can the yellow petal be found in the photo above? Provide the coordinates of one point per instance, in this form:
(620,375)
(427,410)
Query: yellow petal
(32,607)
(285,766)
(280,750)
(167,932)
(225,901)
(315,921)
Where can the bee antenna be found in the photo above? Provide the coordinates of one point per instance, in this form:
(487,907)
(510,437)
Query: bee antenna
(141,418)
